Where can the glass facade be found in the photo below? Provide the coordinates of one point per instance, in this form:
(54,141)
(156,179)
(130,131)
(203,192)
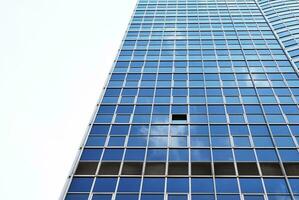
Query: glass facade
(284,18)
(201,104)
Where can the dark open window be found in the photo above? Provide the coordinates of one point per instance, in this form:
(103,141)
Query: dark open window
(201,169)
(108,168)
(224,169)
(270,169)
(292,169)
(179,117)
(86,168)
(132,169)
(178,169)
(154,169)
(247,169)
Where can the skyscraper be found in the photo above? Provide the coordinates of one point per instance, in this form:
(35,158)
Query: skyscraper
(201,104)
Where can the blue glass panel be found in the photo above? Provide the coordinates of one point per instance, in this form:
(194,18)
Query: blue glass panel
(161,109)
(279,197)
(95,141)
(262,141)
(179,109)
(253,197)
(228,197)
(159,130)
(135,154)
(156,154)
(116,141)
(139,130)
(100,129)
(222,155)
(153,185)
(242,142)
(275,185)
(289,155)
(126,197)
(152,196)
(200,155)
(103,118)
(81,185)
(202,197)
(266,155)
(137,141)
(200,141)
(125,109)
(177,197)
(219,130)
(119,130)
(239,130)
(244,155)
(91,154)
(177,185)
(107,109)
(294,182)
(129,184)
(251,185)
(202,185)
(259,130)
(226,185)
(178,130)
(158,141)
(105,185)
(178,155)
(113,154)
(102,197)
(199,130)
(76,197)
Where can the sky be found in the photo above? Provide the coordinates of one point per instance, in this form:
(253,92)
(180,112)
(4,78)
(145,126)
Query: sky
(55,56)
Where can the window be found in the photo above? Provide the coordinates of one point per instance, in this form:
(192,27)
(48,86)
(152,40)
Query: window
(222,155)
(126,197)
(247,169)
(270,169)
(109,168)
(154,168)
(91,154)
(266,155)
(105,185)
(178,185)
(251,185)
(102,197)
(224,169)
(202,185)
(275,185)
(76,197)
(156,155)
(113,154)
(226,185)
(132,168)
(292,169)
(129,184)
(80,185)
(153,185)
(201,168)
(178,169)
(294,185)
(100,129)
(134,155)
(179,118)
(200,155)
(152,196)
(86,168)
(178,155)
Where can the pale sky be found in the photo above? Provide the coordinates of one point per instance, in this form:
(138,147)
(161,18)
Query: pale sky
(55,56)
